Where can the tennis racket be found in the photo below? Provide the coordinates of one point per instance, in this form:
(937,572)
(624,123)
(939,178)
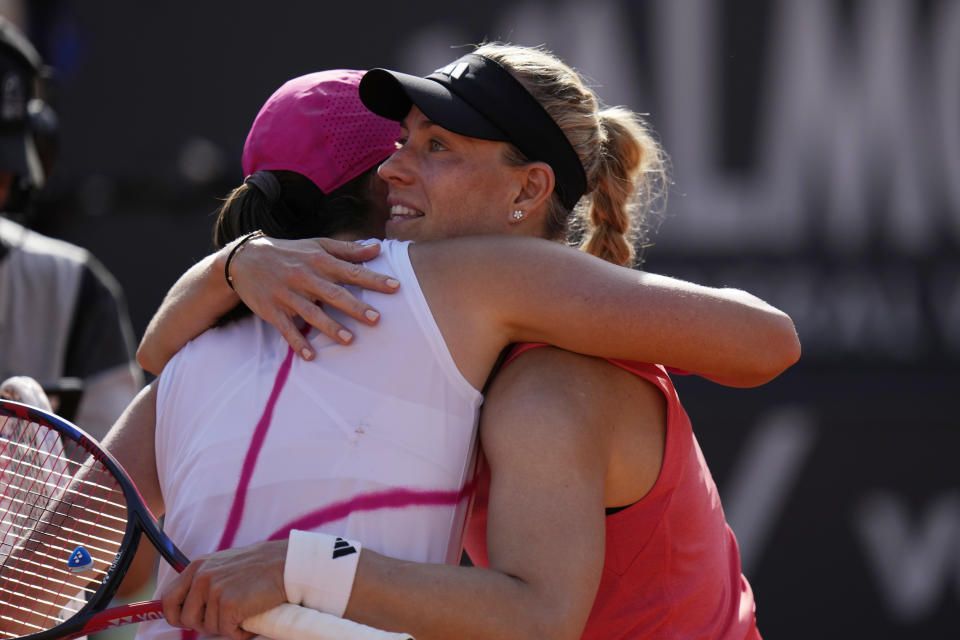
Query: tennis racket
(70,522)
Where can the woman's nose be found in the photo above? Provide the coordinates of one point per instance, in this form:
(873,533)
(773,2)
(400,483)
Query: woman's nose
(395,169)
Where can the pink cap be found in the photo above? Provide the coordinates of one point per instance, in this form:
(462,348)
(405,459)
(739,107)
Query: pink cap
(317,126)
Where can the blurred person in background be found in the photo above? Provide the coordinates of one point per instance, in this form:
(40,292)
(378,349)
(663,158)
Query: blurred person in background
(63,319)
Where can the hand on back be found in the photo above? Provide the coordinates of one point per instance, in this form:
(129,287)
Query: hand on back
(282,279)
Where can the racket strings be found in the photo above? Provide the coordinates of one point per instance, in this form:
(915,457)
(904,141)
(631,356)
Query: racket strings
(63,517)
(47,598)
(92,542)
(15,515)
(38,576)
(35,470)
(24,471)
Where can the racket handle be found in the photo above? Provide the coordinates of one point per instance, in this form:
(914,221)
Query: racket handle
(292,622)
(129,614)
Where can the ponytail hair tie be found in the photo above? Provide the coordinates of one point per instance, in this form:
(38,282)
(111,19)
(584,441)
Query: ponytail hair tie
(266,183)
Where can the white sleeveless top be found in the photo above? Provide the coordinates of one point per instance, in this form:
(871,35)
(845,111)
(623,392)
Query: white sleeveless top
(374,441)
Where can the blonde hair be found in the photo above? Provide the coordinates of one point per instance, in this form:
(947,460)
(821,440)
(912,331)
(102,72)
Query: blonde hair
(626,167)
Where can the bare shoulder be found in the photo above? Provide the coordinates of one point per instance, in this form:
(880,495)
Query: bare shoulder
(550,397)
(575,381)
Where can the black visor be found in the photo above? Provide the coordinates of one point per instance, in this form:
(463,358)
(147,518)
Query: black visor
(476,97)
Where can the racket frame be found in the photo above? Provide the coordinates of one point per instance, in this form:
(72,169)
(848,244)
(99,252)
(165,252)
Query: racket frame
(94,615)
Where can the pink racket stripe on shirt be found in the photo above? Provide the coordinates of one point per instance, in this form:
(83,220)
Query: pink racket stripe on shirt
(250,461)
(390,499)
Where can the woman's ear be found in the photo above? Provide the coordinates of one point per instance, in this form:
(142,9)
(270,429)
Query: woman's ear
(537,184)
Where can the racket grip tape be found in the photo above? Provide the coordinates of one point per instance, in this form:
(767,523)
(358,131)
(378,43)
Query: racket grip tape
(293,622)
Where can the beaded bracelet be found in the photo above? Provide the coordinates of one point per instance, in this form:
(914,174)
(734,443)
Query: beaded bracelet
(235,250)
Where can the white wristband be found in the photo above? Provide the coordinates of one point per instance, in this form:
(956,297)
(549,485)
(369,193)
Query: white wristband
(319,570)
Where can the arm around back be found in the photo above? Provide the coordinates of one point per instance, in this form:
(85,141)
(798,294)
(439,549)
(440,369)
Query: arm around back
(278,280)
(194,303)
(131,441)
(527,289)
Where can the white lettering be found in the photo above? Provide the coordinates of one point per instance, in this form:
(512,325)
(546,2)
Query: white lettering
(841,113)
(858,139)
(851,309)
(763,475)
(912,561)
(137,617)
(946,52)
(594,36)
(857,309)
(712,210)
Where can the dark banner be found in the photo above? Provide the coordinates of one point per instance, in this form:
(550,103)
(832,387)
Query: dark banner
(841,486)
(815,148)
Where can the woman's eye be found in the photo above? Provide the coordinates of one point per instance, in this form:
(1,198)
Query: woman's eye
(436,145)
(399,142)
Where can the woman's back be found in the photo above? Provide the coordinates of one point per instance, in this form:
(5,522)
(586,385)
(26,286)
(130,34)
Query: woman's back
(672,561)
(671,566)
(372,441)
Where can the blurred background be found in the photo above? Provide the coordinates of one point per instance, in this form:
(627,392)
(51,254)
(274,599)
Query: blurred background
(816,160)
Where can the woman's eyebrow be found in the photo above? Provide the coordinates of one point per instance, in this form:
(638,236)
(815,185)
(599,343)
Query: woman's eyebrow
(423,124)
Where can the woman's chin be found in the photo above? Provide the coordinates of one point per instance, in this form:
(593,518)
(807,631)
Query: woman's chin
(404,227)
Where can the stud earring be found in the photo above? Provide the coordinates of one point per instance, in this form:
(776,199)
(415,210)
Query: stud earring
(518,214)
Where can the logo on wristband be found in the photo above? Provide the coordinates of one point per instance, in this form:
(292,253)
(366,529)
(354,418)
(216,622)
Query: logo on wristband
(342,548)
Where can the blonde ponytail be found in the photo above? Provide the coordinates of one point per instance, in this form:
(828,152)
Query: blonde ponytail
(625,165)
(630,179)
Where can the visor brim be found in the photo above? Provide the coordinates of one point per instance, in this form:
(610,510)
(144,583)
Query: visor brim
(392,94)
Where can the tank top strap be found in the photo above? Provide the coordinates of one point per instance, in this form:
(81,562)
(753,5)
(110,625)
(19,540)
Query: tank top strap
(653,373)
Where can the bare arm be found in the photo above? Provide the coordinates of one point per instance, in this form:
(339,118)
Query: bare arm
(524,289)
(727,335)
(192,305)
(279,279)
(131,441)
